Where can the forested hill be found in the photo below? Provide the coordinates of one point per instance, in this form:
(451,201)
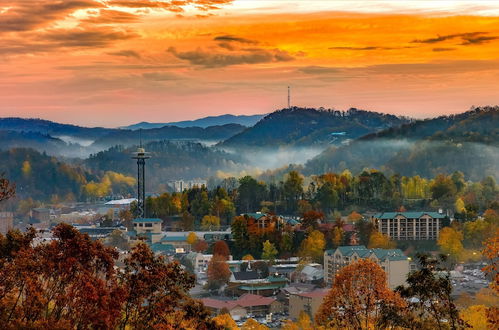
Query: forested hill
(131,137)
(312,127)
(169,161)
(468,142)
(51,128)
(41,177)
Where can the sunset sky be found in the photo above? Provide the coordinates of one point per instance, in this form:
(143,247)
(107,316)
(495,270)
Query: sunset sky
(117,62)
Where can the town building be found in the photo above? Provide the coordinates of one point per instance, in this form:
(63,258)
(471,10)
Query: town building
(409,225)
(6,222)
(181,185)
(393,262)
(245,306)
(251,282)
(308,302)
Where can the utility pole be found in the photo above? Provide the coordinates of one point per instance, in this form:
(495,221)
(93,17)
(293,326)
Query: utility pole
(289,97)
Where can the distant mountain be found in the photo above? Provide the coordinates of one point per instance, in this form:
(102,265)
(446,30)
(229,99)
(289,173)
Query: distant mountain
(311,127)
(468,142)
(128,137)
(52,128)
(203,122)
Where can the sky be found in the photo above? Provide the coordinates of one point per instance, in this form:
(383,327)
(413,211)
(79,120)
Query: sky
(117,62)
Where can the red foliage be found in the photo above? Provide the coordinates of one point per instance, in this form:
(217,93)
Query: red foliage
(222,249)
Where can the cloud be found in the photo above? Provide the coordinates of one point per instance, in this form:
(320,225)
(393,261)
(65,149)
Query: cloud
(173,5)
(470,38)
(125,53)
(477,40)
(28,15)
(230,38)
(442,49)
(80,37)
(247,56)
(159,76)
(363,48)
(106,16)
(318,70)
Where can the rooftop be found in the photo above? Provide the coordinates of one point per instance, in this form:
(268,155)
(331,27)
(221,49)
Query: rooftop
(142,220)
(409,215)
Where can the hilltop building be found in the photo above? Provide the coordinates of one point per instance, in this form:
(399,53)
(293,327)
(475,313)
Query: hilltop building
(393,262)
(181,185)
(409,225)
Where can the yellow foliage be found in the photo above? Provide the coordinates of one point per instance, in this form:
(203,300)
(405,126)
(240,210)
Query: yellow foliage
(475,316)
(248,257)
(210,222)
(313,246)
(303,323)
(26,169)
(226,321)
(459,205)
(192,238)
(251,324)
(451,242)
(380,240)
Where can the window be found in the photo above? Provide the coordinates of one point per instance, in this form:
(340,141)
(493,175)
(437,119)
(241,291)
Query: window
(149,225)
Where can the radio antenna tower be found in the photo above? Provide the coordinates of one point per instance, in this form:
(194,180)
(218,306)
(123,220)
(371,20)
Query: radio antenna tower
(289,98)
(141,155)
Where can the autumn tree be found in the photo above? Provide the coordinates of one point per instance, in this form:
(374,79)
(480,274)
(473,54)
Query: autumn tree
(210,222)
(222,249)
(311,219)
(251,324)
(218,272)
(450,241)
(476,317)
(248,257)
(358,297)
(380,240)
(157,294)
(200,246)
(269,251)
(491,252)
(313,246)
(7,189)
(225,321)
(303,323)
(117,239)
(191,238)
(354,216)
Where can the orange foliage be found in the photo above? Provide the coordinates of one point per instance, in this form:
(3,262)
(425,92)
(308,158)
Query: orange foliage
(357,297)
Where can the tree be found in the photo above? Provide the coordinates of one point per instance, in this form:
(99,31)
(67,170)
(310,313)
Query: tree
(200,246)
(337,236)
(475,316)
(210,222)
(313,247)
(380,240)
(491,252)
(251,324)
(222,249)
(365,228)
(7,189)
(269,251)
(187,221)
(450,241)
(354,216)
(157,294)
(303,323)
(358,297)
(218,272)
(191,238)
(248,257)
(293,190)
(311,219)
(225,321)
(429,291)
(57,285)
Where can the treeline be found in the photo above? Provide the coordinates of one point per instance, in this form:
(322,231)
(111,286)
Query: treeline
(370,190)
